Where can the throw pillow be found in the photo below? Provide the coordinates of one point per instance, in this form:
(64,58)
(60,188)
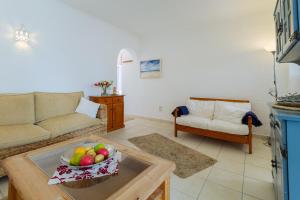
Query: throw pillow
(87,107)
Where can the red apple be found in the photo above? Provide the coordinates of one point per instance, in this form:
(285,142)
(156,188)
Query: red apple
(104,152)
(87,160)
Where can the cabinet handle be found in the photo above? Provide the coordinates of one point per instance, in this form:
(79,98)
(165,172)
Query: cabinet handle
(277,124)
(280,28)
(274,163)
(284,152)
(271,116)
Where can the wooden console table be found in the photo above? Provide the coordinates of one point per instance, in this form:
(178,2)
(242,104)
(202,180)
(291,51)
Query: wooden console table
(115,110)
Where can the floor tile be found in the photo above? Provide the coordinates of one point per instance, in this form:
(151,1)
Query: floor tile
(213,191)
(231,166)
(176,195)
(209,149)
(260,173)
(232,154)
(191,185)
(264,153)
(203,174)
(259,189)
(226,179)
(259,162)
(246,197)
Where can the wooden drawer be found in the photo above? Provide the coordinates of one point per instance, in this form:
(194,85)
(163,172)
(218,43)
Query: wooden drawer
(102,100)
(118,99)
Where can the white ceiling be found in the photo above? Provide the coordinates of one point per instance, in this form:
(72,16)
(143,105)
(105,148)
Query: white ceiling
(146,16)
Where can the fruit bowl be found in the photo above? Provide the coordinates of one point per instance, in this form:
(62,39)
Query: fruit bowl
(86,150)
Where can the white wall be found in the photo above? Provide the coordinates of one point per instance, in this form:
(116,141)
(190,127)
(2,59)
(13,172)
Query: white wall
(224,60)
(68,51)
(294,78)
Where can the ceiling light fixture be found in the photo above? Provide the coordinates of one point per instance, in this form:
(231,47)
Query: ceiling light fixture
(22,35)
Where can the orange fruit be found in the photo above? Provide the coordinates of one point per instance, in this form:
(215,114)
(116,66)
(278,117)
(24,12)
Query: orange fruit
(80,150)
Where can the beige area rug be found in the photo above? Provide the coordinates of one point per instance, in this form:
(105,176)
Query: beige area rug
(187,160)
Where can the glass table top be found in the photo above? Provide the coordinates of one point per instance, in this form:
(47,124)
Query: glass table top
(94,189)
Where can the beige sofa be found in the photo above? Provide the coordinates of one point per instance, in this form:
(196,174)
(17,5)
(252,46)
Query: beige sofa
(30,121)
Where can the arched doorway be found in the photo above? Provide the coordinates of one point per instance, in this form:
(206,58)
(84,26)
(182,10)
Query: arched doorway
(126,58)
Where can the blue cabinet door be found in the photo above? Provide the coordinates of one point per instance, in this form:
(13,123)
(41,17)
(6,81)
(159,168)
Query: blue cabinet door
(278,29)
(293,129)
(289,9)
(286,16)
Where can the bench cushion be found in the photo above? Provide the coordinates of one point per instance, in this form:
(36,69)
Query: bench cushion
(231,112)
(201,108)
(193,121)
(67,123)
(15,135)
(49,105)
(228,127)
(17,109)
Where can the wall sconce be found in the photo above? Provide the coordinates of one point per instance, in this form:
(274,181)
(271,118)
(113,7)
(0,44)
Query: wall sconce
(22,35)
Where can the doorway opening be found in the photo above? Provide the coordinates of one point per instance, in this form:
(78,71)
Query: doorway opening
(126,58)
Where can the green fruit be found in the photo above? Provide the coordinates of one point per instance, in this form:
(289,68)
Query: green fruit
(91,152)
(99,146)
(99,158)
(75,159)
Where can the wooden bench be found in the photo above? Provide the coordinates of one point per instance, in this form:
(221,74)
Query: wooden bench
(241,139)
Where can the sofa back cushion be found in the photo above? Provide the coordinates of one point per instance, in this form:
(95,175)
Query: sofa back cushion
(200,108)
(17,109)
(231,111)
(49,105)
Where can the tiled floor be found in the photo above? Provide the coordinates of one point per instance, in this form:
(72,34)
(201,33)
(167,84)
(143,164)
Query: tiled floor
(236,176)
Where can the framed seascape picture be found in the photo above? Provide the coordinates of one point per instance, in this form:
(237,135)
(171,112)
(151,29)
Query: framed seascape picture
(150,68)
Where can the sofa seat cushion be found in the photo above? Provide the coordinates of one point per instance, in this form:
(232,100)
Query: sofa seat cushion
(228,127)
(231,111)
(193,121)
(16,135)
(17,109)
(67,123)
(200,108)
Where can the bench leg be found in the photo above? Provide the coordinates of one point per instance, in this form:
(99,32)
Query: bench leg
(250,144)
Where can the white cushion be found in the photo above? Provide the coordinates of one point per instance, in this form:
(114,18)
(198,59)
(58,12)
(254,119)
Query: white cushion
(230,111)
(87,107)
(201,108)
(193,121)
(228,127)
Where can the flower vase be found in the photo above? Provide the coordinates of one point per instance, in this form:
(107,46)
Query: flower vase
(104,91)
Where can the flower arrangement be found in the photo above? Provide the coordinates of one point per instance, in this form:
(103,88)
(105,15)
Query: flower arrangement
(104,85)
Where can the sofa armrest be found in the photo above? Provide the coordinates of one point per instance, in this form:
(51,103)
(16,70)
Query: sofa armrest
(102,113)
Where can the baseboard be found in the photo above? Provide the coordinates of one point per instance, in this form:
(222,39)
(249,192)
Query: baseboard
(149,118)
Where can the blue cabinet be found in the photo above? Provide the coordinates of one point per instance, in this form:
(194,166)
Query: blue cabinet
(286,16)
(285,140)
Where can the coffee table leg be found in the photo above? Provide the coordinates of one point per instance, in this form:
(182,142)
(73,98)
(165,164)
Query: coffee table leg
(12,192)
(166,189)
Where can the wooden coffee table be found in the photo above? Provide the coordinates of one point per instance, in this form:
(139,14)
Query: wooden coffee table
(141,175)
